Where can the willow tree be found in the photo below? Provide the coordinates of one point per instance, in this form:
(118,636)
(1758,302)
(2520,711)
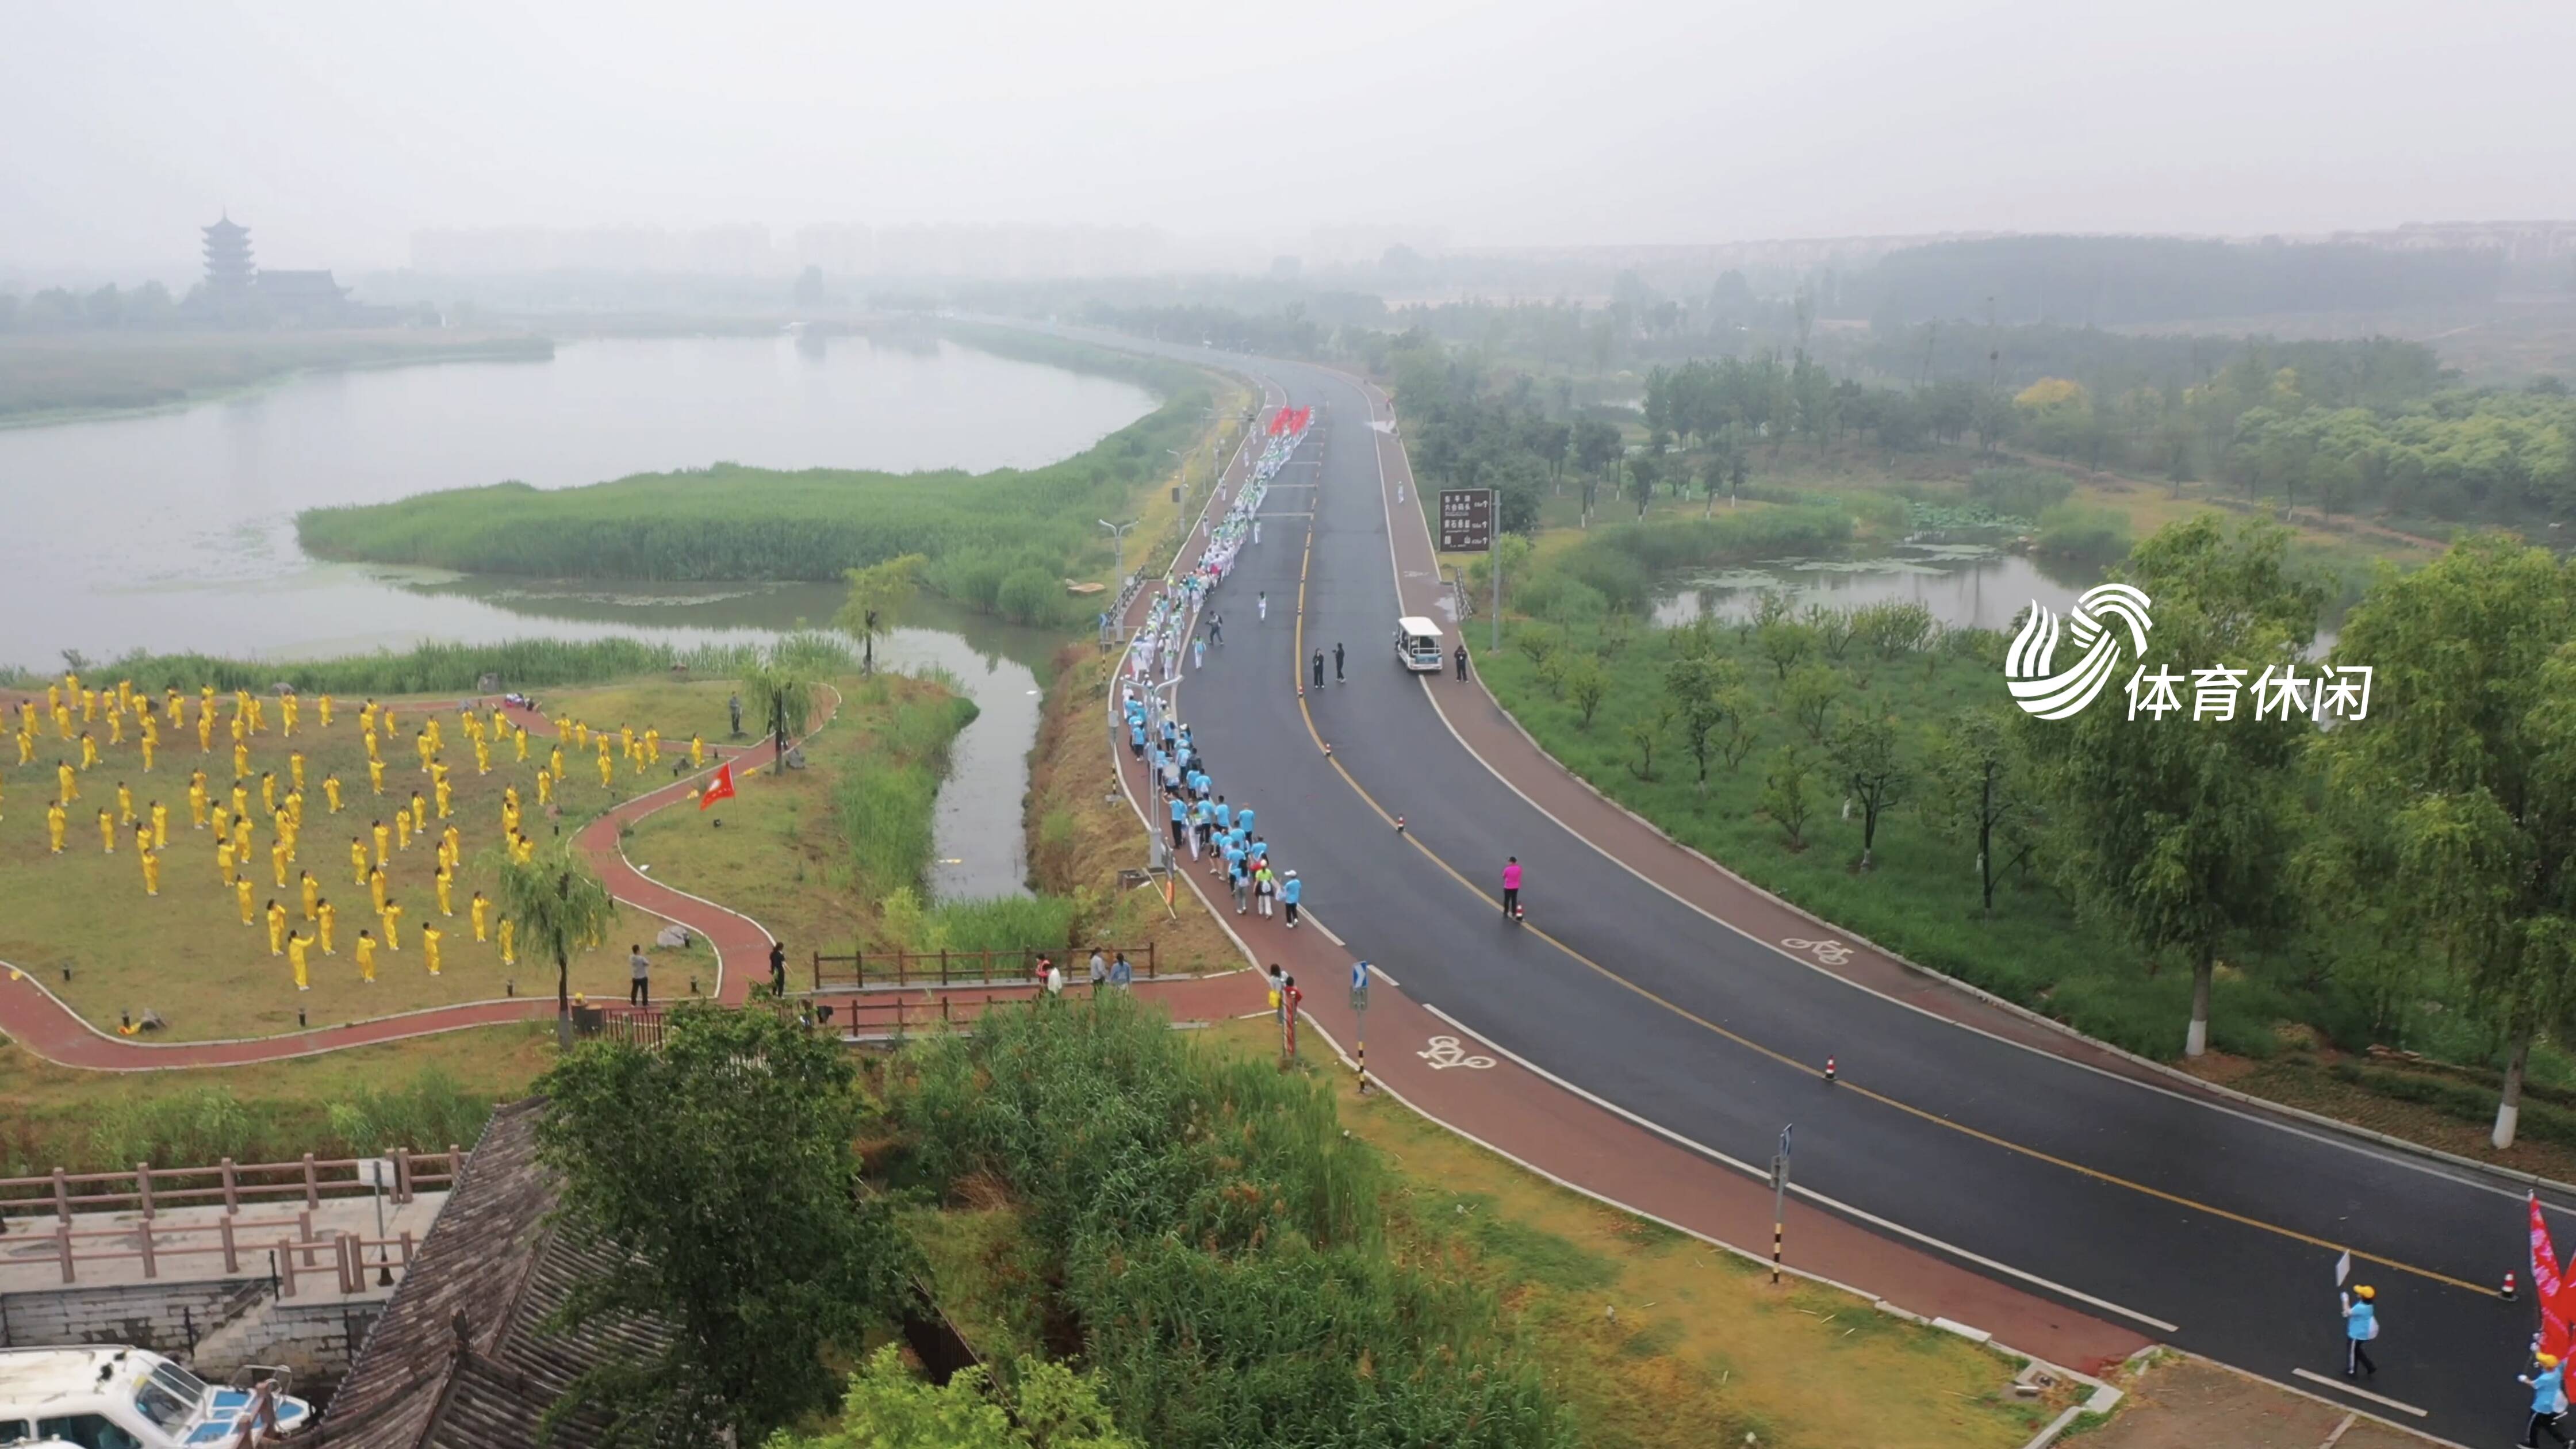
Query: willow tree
(558,906)
(2462,777)
(785,697)
(879,595)
(2174,827)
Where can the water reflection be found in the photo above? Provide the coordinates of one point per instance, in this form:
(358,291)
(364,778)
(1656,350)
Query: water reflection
(1964,584)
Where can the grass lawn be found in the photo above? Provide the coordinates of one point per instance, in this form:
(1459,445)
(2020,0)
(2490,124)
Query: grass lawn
(779,855)
(269,1112)
(186,954)
(1702,1352)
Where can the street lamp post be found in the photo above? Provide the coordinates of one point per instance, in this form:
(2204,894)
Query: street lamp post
(1118,536)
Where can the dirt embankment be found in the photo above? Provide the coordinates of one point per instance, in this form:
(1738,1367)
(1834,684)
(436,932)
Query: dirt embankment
(1082,832)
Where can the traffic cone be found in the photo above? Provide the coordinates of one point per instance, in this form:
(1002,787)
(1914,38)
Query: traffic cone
(1829,1071)
(1399,825)
(2506,1292)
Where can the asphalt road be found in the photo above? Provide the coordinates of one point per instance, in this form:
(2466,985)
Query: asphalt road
(2211,1229)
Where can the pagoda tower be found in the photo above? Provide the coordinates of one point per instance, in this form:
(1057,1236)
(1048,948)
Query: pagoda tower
(228,264)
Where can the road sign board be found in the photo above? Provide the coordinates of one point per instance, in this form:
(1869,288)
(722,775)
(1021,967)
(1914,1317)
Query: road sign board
(1466,520)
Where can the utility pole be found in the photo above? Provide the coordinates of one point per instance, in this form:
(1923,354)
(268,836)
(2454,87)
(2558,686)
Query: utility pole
(1118,533)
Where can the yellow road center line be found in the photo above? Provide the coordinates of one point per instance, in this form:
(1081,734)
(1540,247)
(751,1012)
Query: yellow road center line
(1306,711)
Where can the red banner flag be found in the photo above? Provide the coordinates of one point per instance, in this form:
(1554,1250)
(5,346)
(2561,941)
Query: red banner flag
(2549,1287)
(722,789)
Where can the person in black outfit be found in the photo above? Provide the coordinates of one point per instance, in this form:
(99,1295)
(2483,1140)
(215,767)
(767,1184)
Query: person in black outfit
(778,969)
(1319,669)
(1337,663)
(1462,661)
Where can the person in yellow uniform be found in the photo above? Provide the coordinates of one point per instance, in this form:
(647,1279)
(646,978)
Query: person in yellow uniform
(437,736)
(224,860)
(519,742)
(241,760)
(419,812)
(366,957)
(151,872)
(545,786)
(197,801)
(295,947)
(430,936)
(358,859)
(67,783)
(205,732)
(277,860)
(402,830)
(322,707)
(446,799)
(391,919)
(160,826)
(26,747)
(295,769)
(124,803)
(446,881)
(268,791)
(482,758)
(331,792)
(241,895)
(376,882)
(606,768)
(312,893)
(149,742)
(325,916)
(376,775)
(697,751)
(420,746)
(481,912)
(367,719)
(115,728)
(554,762)
(241,801)
(223,821)
(177,707)
(384,842)
(107,832)
(509,935)
(286,713)
(276,928)
(89,750)
(454,841)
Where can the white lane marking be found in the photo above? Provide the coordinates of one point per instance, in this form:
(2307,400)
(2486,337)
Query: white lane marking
(2340,1386)
(1836,1204)
(1444,1052)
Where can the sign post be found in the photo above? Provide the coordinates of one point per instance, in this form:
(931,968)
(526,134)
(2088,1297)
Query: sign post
(1779,1198)
(1359,1012)
(1467,526)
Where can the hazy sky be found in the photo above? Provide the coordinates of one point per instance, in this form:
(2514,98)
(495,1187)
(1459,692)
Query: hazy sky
(338,129)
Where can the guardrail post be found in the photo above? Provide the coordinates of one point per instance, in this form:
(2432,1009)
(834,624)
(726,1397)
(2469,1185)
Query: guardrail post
(1149,960)
(943,965)
(402,1174)
(143,1238)
(312,1184)
(62,1198)
(63,1249)
(406,1247)
(143,1188)
(455,1166)
(304,1230)
(285,1267)
(232,1188)
(232,1255)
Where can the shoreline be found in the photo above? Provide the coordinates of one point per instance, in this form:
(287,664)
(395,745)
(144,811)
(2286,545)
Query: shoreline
(497,351)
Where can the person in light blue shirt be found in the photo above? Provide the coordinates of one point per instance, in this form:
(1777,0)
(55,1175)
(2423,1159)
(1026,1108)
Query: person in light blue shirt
(2360,1325)
(2548,1400)
(1180,822)
(1224,814)
(1290,888)
(1136,739)
(1243,817)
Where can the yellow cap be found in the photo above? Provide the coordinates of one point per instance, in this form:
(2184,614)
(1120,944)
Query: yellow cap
(2365,1293)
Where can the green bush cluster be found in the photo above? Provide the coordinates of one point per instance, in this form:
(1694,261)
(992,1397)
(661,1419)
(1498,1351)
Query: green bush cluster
(883,800)
(1215,1237)
(431,668)
(205,1125)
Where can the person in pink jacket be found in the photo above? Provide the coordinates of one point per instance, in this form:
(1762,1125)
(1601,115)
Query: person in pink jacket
(1512,886)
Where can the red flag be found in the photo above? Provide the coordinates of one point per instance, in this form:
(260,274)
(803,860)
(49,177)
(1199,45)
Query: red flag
(722,789)
(2549,1287)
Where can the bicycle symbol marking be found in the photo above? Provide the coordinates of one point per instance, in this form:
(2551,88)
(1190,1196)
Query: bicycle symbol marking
(1444,1052)
(1828,953)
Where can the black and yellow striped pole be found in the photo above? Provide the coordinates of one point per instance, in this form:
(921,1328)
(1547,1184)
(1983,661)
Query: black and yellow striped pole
(1779,1199)
(1359,1013)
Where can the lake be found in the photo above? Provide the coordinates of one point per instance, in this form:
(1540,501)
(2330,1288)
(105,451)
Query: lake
(175,531)
(1965,585)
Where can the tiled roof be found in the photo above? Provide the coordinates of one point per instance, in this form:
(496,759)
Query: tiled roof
(458,1361)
